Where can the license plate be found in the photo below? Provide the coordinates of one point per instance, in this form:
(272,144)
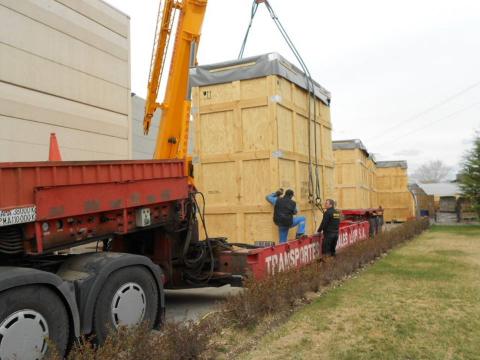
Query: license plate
(18,215)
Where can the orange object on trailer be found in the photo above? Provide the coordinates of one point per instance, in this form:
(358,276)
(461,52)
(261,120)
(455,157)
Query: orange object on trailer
(54,150)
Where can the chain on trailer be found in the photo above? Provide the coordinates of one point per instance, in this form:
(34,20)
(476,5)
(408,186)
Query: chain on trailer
(314,190)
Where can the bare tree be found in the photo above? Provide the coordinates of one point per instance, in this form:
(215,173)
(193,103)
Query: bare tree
(432,172)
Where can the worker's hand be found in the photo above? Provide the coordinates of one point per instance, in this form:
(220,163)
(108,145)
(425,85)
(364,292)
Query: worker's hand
(279,192)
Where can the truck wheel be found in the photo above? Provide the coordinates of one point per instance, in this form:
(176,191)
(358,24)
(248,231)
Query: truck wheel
(29,317)
(128,298)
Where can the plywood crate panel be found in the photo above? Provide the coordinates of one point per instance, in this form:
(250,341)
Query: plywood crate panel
(393,193)
(426,202)
(252,137)
(398,206)
(423,201)
(239,188)
(361,182)
(355,185)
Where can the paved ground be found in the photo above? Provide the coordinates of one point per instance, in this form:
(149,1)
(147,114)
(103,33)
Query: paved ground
(192,304)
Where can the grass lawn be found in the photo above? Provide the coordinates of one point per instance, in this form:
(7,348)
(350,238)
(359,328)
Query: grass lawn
(422,301)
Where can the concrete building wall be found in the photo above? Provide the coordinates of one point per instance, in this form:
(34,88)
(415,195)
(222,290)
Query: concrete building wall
(143,146)
(64,68)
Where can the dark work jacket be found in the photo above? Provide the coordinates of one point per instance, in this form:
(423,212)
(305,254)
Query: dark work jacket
(283,212)
(330,222)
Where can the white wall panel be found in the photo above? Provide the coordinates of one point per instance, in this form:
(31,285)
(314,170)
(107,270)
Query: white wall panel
(102,13)
(36,106)
(60,48)
(24,140)
(64,68)
(72,23)
(30,71)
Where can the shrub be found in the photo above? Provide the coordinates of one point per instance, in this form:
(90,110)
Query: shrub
(273,295)
(281,292)
(176,341)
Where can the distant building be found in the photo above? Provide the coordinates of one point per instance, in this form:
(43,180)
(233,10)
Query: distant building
(441,189)
(446,197)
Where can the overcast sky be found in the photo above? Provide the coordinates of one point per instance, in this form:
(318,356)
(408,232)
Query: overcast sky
(404,75)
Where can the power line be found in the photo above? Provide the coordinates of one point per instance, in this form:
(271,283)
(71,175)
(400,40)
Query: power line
(432,122)
(429,109)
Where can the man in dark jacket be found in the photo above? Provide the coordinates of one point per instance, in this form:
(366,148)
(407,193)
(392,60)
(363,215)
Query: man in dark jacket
(283,214)
(371,222)
(330,225)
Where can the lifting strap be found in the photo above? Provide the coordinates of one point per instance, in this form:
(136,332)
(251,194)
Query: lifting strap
(314,190)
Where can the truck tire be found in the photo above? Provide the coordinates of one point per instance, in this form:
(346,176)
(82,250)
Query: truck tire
(128,298)
(29,316)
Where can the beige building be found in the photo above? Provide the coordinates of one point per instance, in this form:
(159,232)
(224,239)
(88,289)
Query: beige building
(64,68)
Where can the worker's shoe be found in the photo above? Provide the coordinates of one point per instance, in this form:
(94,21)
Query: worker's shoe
(300,236)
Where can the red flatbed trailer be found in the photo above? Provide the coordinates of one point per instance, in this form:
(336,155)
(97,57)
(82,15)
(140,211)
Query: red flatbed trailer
(266,261)
(142,215)
(76,202)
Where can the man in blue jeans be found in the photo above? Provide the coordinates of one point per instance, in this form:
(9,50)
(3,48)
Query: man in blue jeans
(283,211)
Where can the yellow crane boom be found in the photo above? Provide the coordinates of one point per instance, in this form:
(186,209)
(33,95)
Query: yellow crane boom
(172,139)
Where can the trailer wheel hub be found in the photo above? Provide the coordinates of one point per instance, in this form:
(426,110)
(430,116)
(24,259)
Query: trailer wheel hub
(23,335)
(128,305)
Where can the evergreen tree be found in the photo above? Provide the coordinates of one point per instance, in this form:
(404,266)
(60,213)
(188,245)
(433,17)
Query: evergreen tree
(470,175)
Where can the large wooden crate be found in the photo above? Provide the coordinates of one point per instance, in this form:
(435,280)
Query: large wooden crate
(424,202)
(355,181)
(372,181)
(393,193)
(251,137)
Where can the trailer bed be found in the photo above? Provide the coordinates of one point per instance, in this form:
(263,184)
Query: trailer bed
(59,204)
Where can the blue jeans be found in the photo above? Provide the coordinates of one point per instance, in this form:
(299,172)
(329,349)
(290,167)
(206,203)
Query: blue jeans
(283,231)
(271,198)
